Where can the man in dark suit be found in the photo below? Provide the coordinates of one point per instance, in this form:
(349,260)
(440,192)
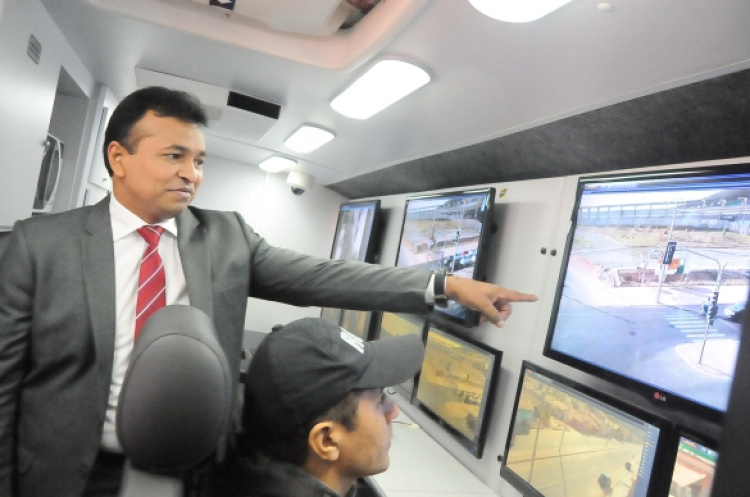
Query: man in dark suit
(69,290)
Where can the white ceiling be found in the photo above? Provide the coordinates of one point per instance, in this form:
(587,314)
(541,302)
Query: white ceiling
(490,78)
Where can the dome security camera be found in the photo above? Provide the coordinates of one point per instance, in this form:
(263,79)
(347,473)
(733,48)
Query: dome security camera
(298,182)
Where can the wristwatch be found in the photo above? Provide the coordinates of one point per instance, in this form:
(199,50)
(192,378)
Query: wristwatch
(441,299)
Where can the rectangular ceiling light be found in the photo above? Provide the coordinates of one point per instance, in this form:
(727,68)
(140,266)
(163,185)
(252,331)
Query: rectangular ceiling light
(276,164)
(385,83)
(517,10)
(308,138)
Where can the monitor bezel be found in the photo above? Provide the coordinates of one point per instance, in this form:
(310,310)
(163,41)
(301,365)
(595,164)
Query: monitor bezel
(661,397)
(476,448)
(472,317)
(370,252)
(665,427)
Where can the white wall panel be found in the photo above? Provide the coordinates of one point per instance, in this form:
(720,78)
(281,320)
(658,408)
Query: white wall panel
(27,99)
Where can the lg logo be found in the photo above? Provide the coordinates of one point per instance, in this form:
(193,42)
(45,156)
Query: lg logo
(660,397)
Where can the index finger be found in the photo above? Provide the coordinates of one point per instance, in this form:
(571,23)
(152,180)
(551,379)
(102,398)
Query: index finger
(513,296)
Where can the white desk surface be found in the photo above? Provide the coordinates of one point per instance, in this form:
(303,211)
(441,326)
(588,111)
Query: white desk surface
(420,467)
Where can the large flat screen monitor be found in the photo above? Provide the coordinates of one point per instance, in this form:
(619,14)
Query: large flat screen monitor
(566,439)
(358,322)
(448,230)
(456,385)
(654,282)
(357,231)
(693,466)
(393,325)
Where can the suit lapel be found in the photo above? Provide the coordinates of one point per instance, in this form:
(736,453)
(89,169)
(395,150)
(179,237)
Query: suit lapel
(194,252)
(98,256)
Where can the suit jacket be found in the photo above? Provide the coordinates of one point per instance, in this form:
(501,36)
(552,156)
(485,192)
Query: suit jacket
(57,324)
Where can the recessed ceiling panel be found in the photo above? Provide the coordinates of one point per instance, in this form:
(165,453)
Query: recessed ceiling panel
(309,17)
(342,49)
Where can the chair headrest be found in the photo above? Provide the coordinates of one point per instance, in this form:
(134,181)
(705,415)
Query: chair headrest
(175,403)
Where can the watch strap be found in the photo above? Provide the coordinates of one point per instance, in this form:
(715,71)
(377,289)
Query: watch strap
(441,299)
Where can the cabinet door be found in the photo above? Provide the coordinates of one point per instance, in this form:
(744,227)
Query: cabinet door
(555,251)
(531,228)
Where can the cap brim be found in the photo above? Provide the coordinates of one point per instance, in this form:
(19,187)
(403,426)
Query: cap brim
(394,360)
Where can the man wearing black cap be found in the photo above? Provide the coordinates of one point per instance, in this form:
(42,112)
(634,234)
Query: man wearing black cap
(316,416)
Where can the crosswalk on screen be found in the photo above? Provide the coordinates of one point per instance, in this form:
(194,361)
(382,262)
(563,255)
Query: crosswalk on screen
(653,288)
(564,442)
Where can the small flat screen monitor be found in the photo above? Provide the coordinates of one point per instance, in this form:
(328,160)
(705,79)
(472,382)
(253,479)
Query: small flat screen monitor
(394,325)
(654,281)
(566,439)
(357,231)
(331,315)
(448,230)
(693,468)
(357,322)
(456,385)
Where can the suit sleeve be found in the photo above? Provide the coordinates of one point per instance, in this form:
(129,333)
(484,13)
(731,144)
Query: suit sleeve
(16,292)
(287,276)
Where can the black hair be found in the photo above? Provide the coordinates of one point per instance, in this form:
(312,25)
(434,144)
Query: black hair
(162,101)
(294,447)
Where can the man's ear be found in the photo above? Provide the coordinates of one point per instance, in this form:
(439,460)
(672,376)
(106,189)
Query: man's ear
(323,441)
(115,153)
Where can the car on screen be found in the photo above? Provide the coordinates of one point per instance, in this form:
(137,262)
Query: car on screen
(735,312)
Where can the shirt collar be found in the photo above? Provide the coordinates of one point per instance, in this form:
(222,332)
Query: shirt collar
(124,222)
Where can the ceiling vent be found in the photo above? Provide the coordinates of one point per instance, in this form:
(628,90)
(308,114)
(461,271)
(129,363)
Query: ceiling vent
(213,112)
(34,49)
(236,115)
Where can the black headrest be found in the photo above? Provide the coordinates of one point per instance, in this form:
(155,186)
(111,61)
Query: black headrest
(175,403)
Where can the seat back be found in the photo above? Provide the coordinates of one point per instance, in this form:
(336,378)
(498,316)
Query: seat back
(175,403)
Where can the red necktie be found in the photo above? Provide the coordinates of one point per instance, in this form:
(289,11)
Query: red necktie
(152,294)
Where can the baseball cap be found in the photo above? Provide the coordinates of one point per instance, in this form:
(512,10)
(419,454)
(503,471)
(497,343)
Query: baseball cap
(306,367)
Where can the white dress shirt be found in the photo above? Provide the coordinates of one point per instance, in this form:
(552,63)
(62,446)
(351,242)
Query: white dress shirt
(129,248)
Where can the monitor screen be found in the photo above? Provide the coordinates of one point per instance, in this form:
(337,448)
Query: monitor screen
(654,282)
(566,439)
(357,231)
(456,385)
(693,467)
(393,325)
(357,322)
(448,230)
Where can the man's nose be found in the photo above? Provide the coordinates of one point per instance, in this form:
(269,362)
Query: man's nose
(190,172)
